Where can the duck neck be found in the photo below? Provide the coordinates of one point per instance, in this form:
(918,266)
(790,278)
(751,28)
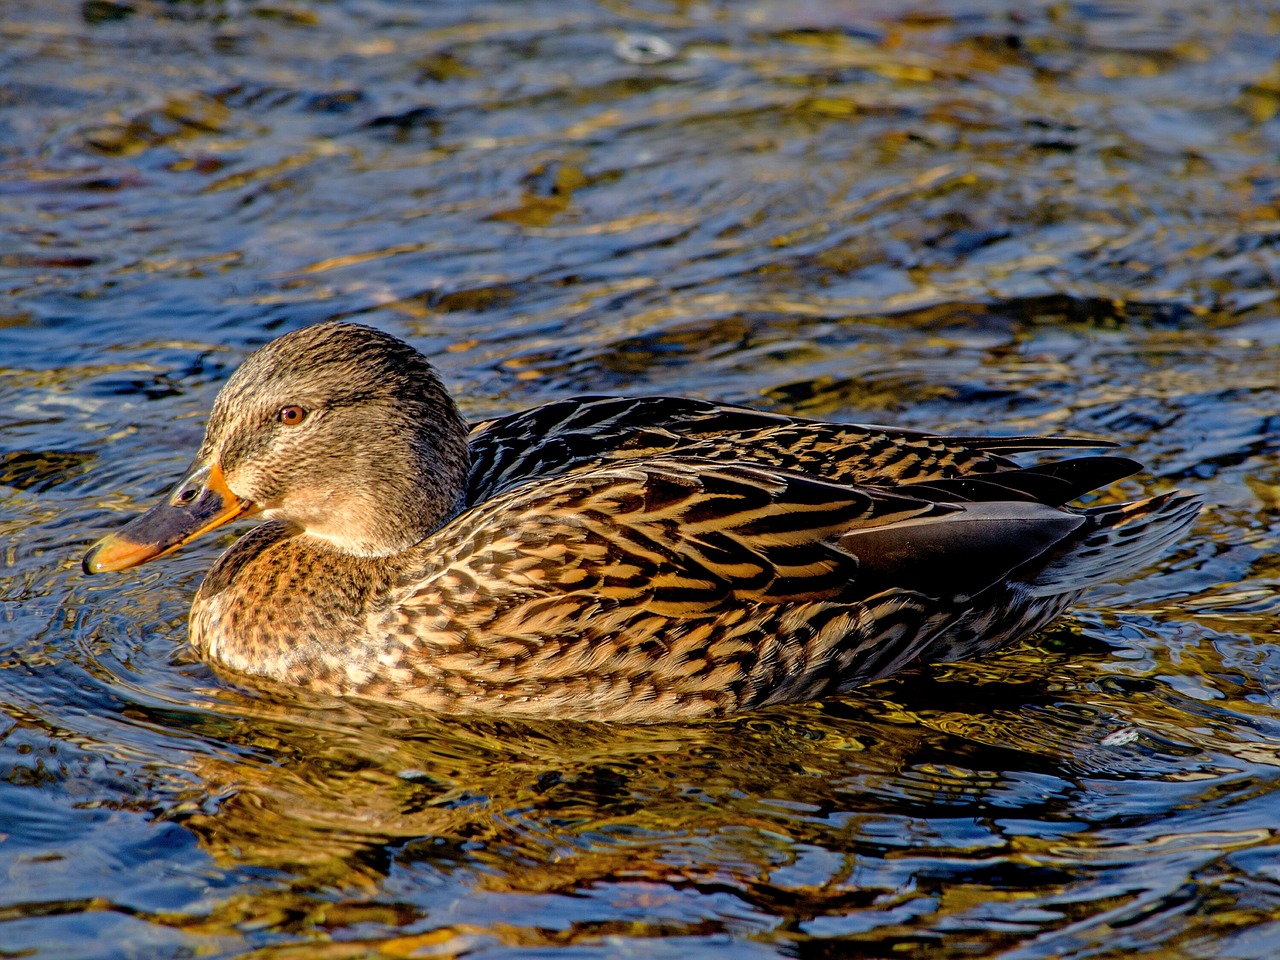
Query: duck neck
(429,491)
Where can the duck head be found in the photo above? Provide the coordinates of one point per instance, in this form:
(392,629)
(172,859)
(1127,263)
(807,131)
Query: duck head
(341,431)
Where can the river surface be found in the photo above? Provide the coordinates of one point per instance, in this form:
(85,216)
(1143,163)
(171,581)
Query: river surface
(959,215)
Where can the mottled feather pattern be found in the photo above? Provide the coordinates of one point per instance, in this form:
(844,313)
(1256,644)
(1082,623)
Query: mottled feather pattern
(608,558)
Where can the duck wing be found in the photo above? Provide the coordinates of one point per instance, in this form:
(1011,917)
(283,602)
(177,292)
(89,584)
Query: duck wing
(704,533)
(674,586)
(586,432)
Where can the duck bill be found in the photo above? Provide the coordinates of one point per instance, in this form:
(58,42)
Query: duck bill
(200,502)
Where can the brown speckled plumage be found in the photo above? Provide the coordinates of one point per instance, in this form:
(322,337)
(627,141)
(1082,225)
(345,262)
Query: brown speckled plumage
(609,558)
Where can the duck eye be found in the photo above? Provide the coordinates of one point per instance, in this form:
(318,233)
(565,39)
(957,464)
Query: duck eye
(291,415)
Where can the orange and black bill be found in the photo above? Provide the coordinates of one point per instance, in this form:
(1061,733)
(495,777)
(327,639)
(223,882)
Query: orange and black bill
(199,503)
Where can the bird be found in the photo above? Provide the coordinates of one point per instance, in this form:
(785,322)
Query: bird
(606,558)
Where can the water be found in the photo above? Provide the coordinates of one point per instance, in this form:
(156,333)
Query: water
(973,217)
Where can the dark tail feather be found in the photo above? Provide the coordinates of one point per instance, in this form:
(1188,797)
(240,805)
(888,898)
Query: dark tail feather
(1053,483)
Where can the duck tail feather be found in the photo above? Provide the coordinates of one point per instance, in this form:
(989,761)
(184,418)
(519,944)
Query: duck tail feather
(1117,539)
(1053,483)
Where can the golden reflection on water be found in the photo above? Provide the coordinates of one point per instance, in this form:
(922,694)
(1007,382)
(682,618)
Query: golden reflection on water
(345,797)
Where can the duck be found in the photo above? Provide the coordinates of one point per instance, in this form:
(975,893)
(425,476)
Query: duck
(607,558)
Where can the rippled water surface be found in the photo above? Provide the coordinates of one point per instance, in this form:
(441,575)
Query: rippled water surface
(973,216)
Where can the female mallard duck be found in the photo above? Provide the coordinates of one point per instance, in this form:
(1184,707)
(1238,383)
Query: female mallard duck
(606,558)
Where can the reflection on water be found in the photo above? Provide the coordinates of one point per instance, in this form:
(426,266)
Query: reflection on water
(968,217)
